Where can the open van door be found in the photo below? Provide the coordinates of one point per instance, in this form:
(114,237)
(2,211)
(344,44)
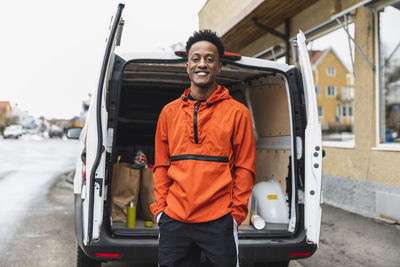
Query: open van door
(313,148)
(93,190)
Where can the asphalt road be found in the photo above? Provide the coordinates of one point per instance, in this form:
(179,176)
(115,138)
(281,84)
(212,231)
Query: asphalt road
(46,237)
(38,230)
(28,216)
(351,240)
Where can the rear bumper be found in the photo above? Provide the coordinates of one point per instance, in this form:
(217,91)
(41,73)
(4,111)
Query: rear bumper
(145,249)
(250,250)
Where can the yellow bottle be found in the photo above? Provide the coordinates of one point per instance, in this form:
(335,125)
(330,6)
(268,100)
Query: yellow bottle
(131,215)
(148,224)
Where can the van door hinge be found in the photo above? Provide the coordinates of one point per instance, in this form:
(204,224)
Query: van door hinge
(99,181)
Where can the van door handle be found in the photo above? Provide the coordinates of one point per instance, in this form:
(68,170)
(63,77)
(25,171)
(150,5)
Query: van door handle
(100,182)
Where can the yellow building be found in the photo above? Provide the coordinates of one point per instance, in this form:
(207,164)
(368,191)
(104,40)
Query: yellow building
(362,176)
(335,92)
(5,110)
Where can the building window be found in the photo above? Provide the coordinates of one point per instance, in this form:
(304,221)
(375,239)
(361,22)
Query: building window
(331,71)
(388,122)
(350,111)
(347,94)
(317,90)
(344,111)
(331,90)
(320,111)
(334,60)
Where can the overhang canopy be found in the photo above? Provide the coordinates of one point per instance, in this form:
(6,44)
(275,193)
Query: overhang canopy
(271,13)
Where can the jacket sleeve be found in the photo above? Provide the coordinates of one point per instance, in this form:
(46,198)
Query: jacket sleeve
(244,169)
(161,180)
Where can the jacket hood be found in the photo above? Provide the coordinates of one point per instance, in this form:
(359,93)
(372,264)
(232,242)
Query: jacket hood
(220,93)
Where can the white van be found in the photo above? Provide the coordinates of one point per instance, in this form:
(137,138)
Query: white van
(122,118)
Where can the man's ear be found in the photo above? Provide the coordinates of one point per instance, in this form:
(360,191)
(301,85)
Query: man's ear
(187,67)
(219,67)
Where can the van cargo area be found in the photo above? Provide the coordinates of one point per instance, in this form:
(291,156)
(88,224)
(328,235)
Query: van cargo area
(144,87)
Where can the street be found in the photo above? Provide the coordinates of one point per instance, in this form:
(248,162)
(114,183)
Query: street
(27,214)
(36,215)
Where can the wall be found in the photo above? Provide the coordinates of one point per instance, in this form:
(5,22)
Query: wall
(216,15)
(346,170)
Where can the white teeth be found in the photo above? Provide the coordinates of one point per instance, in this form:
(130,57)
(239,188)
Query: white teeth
(202,73)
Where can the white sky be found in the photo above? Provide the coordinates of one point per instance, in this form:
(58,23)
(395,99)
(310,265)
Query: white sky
(337,39)
(52,50)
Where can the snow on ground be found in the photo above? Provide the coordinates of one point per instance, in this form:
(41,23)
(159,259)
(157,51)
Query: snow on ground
(28,168)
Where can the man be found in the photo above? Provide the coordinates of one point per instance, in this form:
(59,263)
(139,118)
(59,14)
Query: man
(204,164)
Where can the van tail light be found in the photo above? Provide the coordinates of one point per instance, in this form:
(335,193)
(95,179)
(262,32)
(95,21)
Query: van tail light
(107,255)
(83,172)
(181,53)
(301,254)
(232,56)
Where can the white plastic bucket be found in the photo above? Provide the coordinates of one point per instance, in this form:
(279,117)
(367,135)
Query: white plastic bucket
(270,202)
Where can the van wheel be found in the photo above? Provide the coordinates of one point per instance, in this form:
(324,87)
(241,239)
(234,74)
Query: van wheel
(272,264)
(84,261)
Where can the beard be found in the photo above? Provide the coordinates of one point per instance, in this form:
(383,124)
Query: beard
(204,85)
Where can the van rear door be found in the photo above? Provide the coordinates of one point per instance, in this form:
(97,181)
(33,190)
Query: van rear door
(313,148)
(93,191)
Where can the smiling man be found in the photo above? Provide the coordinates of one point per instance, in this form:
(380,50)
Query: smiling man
(204,164)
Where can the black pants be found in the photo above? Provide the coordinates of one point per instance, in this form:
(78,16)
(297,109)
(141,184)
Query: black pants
(180,244)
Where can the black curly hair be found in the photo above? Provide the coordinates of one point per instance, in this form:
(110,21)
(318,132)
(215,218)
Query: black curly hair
(206,35)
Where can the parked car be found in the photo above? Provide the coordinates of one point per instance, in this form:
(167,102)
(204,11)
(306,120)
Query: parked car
(13,131)
(122,118)
(55,131)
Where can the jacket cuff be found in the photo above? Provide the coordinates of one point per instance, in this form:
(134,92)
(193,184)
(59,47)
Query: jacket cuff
(156,209)
(239,218)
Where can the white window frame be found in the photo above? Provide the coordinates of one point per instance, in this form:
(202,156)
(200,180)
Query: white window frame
(328,73)
(322,111)
(378,146)
(327,91)
(348,91)
(348,107)
(344,111)
(352,111)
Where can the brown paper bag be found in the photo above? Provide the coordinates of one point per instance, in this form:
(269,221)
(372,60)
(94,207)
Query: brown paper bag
(125,187)
(146,194)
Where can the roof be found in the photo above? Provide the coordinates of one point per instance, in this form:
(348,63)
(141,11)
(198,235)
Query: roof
(317,56)
(241,31)
(4,105)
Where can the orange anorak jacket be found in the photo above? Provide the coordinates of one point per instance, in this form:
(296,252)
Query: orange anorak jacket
(204,159)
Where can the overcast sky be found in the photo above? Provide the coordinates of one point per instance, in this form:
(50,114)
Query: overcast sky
(52,50)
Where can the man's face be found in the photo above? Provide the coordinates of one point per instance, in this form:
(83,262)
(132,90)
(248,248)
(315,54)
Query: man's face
(203,64)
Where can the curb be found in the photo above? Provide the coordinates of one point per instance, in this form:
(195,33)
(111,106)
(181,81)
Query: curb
(66,181)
